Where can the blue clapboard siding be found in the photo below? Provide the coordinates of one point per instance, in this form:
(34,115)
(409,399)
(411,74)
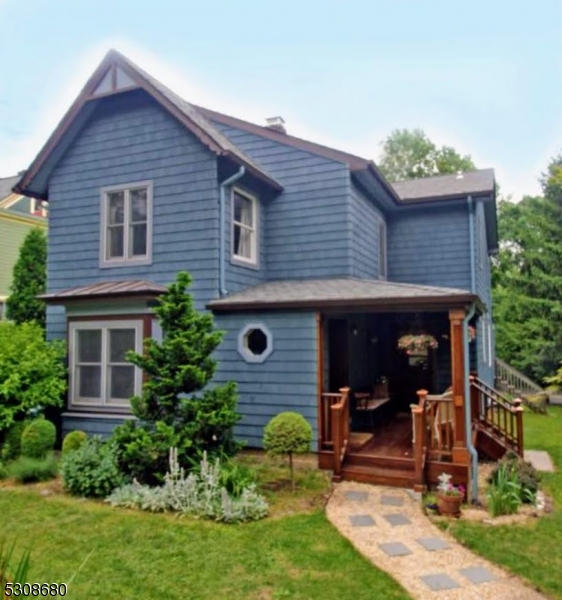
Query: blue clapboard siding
(307,227)
(365,220)
(128,139)
(285,381)
(92,425)
(430,246)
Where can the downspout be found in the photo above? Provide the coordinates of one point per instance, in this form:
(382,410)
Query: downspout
(467,405)
(222,226)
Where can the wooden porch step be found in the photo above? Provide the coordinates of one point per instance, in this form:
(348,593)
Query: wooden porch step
(489,443)
(378,476)
(380,461)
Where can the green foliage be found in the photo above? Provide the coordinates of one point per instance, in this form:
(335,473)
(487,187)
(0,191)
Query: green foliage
(504,494)
(537,402)
(178,407)
(91,470)
(3,471)
(38,438)
(201,494)
(28,470)
(409,154)
(11,448)
(29,280)
(287,433)
(523,472)
(32,371)
(73,440)
(11,571)
(236,477)
(527,278)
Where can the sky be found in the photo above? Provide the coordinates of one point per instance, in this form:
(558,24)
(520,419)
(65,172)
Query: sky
(481,76)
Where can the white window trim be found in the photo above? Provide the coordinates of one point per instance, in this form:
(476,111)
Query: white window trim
(490,333)
(104,325)
(383,261)
(484,328)
(235,258)
(104,262)
(243,349)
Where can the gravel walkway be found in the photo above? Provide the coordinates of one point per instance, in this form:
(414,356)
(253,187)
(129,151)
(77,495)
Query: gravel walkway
(388,526)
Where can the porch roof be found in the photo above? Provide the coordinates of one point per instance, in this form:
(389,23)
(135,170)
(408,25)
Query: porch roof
(105,289)
(343,293)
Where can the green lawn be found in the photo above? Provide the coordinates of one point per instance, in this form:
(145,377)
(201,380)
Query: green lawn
(532,551)
(143,556)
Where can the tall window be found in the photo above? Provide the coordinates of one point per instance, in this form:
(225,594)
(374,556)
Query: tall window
(126,225)
(100,375)
(244,227)
(382,250)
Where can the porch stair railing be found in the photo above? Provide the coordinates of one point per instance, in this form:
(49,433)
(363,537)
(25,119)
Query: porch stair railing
(334,427)
(497,417)
(511,381)
(420,441)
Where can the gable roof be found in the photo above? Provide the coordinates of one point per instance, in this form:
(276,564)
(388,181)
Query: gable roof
(6,185)
(106,289)
(117,74)
(340,292)
(479,182)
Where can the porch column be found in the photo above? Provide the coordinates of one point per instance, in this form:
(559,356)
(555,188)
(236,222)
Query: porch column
(460,451)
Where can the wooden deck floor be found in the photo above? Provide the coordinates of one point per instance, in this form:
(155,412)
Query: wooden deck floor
(390,438)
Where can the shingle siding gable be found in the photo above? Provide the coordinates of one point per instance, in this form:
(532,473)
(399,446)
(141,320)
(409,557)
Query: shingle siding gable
(129,138)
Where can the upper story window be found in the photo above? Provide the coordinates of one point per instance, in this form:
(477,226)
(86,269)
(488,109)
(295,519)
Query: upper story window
(382,250)
(244,227)
(126,220)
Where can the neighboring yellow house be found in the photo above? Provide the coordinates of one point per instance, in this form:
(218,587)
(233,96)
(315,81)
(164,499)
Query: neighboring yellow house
(18,214)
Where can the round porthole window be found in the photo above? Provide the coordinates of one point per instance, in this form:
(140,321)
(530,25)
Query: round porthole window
(255,342)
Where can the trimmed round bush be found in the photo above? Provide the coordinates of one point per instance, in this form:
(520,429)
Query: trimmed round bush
(38,438)
(73,440)
(287,433)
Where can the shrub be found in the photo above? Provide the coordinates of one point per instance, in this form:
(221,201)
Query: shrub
(504,494)
(73,440)
(38,438)
(178,407)
(526,475)
(32,371)
(235,478)
(27,469)
(537,403)
(91,470)
(199,494)
(287,433)
(11,448)
(3,471)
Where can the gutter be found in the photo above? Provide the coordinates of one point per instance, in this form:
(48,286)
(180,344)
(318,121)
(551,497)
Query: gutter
(222,224)
(467,407)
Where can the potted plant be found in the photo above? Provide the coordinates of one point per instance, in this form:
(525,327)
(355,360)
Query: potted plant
(417,343)
(449,496)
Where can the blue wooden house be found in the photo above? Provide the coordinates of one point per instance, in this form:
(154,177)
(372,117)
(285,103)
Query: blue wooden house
(313,264)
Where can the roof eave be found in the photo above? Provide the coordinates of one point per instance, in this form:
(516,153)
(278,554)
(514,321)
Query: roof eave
(55,299)
(388,304)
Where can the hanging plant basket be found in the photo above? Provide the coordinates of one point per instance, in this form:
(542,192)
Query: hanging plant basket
(471,333)
(417,344)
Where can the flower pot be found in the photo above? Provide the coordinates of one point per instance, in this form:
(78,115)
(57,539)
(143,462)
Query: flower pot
(449,506)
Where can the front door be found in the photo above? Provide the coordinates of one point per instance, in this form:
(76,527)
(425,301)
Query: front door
(338,354)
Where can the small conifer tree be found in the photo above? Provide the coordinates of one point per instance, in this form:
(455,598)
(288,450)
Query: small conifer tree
(28,280)
(178,406)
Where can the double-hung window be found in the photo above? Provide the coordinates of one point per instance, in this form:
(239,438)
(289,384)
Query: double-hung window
(126,220)
(100,375)
(244,228)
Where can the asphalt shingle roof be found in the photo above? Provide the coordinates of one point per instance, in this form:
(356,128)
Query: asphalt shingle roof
(6,185)
(446,186)
(339,291)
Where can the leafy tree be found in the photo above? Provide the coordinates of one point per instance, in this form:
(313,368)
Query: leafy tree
(286,434)
(527,279)
(178,406)
(32,371)
(410,154)
(29,280)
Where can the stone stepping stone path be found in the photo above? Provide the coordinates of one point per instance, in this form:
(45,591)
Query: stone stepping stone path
(388,526)
(540,460)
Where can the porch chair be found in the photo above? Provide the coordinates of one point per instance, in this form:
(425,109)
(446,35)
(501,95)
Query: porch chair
(442,417)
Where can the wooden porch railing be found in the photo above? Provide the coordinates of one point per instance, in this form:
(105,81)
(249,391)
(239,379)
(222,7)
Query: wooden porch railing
(334,426)
(439,419)
(512,381)
(497,414)
(420,440)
